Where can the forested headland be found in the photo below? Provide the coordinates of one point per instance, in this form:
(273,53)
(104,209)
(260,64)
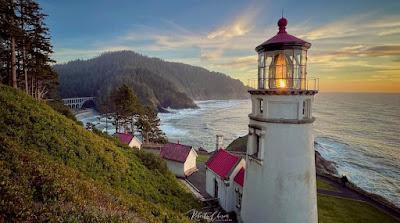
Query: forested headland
(158,83)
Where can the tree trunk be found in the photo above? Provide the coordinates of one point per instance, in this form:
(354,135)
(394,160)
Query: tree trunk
(13,64)
(25,68)
(32,86)
(36,89)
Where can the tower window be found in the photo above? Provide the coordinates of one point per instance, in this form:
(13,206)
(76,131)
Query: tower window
(261,104)
(307,108)
(238,199)
(257,146)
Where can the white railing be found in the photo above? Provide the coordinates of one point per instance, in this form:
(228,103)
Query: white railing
(284,83)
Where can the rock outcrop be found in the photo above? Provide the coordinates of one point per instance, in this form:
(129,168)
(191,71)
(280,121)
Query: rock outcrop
(323,166)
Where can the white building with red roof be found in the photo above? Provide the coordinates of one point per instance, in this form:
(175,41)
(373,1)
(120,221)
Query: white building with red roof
(181,159)
(221,171)
(128,139)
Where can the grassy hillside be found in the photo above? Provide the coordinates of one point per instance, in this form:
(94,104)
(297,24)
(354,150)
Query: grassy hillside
(52,169)
(238,145)
(333,209)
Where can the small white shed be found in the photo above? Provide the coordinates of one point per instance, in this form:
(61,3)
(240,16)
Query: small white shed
(181,159)
(130,140)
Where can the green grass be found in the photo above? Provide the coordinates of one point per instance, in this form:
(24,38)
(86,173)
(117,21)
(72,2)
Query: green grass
(202,158)
(53,170)
(321,184)
(332,210)
(238,145)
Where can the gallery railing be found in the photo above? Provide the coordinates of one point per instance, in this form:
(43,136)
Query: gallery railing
(284,83)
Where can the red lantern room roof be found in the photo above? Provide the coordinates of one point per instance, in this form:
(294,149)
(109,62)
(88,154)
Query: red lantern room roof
(283,40)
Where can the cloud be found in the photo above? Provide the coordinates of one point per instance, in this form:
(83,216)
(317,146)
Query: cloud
(367,43)
(364,25)
(360,44)
(368,51)
(391,50)
(242,25)
(234,30)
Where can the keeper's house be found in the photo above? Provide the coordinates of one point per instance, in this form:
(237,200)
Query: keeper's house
(181,159)
(224,179)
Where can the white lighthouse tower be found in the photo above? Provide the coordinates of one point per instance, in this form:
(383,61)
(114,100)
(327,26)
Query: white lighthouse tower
(280,181)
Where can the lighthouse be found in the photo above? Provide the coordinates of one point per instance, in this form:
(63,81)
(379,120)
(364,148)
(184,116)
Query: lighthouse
(280,180)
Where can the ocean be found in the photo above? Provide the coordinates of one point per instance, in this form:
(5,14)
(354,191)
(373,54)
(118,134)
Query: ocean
(358,131)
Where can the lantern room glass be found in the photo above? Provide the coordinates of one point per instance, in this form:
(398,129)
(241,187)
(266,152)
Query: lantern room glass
(282,69)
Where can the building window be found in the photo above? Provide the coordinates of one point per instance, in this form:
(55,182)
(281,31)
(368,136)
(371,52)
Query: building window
(238,199)
(255,142)
(257,146)
(215,188)
(261,104)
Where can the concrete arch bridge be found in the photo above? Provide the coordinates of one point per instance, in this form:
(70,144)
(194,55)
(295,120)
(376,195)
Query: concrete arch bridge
(80,103)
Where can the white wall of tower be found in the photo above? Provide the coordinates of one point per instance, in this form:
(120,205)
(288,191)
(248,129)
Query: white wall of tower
(280,182)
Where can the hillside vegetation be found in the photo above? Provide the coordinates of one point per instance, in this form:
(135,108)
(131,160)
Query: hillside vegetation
(53,170)
(156,82)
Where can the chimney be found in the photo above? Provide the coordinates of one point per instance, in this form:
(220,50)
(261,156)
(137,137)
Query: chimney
(219,142)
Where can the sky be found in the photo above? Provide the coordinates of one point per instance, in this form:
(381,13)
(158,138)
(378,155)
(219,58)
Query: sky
(355,44)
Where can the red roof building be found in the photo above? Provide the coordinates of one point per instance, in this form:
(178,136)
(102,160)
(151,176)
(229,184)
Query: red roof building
(175,152)
(223,169)
(222,163)
(129,140)
(239,178)
(181,159)
(124,137)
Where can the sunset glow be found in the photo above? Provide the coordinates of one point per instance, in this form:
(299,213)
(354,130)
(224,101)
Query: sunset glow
(355,49)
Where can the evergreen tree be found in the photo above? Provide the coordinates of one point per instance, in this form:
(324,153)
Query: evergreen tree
(25,48)
(128,113)
(43,77)
(149,126)
(124,107)
(9,34)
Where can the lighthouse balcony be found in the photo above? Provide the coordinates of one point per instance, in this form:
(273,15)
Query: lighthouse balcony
(289,86)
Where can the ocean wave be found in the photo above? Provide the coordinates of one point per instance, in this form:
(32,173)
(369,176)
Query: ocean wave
(367,152)
(173,131)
